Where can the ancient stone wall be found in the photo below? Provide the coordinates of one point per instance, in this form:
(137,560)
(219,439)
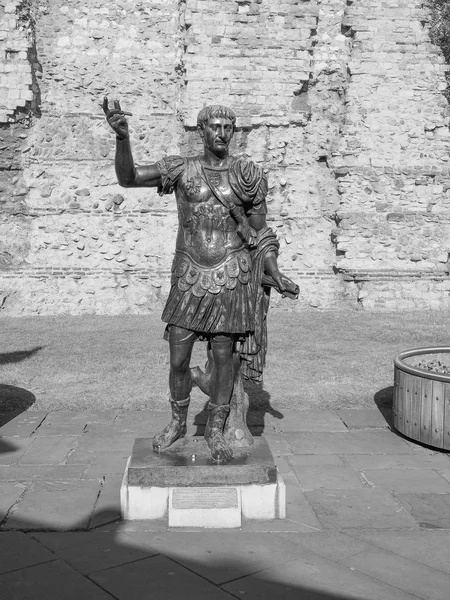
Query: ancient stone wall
(341,102)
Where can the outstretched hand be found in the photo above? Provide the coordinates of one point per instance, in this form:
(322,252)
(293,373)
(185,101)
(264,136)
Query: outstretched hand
(116,118)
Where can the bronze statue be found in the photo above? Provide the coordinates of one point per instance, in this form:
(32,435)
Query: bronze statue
(224,266)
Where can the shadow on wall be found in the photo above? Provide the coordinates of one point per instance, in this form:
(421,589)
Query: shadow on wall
(160,565)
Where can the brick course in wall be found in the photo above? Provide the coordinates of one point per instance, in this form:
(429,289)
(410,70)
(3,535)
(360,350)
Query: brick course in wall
(340,102)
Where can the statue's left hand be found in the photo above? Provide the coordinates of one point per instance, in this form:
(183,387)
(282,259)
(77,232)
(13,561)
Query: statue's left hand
(285,286)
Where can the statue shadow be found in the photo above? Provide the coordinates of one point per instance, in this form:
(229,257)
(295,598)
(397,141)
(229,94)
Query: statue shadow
(259,407)
(13,401)
(7,358)
(384,401)
(110,560)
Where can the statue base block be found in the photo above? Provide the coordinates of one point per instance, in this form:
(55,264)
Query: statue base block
(185,486)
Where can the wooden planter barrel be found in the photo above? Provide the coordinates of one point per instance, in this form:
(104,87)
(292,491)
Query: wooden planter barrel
(422,398)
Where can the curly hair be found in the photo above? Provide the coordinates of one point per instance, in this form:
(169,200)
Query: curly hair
(215,111)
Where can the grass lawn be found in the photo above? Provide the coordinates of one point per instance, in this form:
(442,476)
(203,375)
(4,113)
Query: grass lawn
(316,360)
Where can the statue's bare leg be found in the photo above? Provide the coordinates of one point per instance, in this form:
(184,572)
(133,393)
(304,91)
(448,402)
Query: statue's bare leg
(181,342)
(221,388)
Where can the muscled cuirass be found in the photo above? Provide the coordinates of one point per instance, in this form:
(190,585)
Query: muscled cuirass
(210,253)
(207,231)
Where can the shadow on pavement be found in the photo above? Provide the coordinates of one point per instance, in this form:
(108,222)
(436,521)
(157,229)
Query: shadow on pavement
(384,401)
(129,563)
(14,357)
(258,408)
(6,446)
(13,401)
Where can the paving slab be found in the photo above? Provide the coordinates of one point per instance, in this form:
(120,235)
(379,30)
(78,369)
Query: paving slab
(55,505)
(90,443)
(361,418)
(282,525)
(407,480)
(9,495)
(313,577)
(329,544)
(312,460)
(367,508)
(60,429)
(298,509)
(431,511)
(402,573)
(39,472)
(429,547)
(282,464)
(278,444)
(107,506)
(18,550)
(92,551)
(155,526)
(144,422)
(308,420)
(110,462)
(49,450)
(12,449)
(446,474)
(52,580)
(158,578)
(375,441)
(361,462)
(23,424)
(329,477)
(222,556)
(88,416)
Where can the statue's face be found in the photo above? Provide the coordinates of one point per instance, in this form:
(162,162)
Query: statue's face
(217,135)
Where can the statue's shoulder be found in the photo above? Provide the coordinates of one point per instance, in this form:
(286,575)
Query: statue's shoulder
(248,180)
(171,169)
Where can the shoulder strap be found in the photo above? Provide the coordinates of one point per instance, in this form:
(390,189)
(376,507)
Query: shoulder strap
(244,229)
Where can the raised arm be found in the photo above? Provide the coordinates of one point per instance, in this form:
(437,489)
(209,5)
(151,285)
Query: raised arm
(128,175)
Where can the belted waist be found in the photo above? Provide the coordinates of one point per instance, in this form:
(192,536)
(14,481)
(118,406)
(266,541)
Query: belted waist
(189,274)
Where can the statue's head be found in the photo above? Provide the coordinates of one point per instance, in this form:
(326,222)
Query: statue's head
(215,125)
(215,111)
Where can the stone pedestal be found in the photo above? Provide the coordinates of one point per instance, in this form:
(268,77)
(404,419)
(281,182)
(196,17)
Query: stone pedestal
(185,486)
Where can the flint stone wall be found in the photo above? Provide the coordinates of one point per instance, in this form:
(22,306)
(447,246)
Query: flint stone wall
(341,102)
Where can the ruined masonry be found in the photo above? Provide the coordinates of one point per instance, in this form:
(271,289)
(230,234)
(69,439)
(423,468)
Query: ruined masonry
(341,102)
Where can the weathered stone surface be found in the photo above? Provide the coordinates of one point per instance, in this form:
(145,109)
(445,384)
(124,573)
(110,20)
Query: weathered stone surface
(365,508)
(18,550)
(10,493)
(176,467)
(431,511)
(158,577)
(230,556)
(429,547)
(88,552)
(405,574)
(55,505)
(406,480)
(316,578)
(359,180)
(47,581)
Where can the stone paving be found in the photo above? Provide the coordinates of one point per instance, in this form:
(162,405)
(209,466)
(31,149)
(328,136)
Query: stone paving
(368,515)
